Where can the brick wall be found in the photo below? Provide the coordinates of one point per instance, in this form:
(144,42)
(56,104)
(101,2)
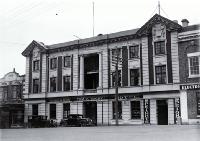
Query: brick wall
(184,48)
(192,104)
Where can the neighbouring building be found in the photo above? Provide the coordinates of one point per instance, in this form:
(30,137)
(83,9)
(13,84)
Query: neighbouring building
(11,103)
(78,77)
(189,61)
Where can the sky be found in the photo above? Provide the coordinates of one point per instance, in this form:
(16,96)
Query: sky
(56,21)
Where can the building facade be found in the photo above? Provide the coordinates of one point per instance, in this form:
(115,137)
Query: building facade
(189,61)
(78,77)
(11,103)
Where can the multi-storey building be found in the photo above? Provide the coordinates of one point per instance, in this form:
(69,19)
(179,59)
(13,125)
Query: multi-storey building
(11,103)
(189,61)
(79,76)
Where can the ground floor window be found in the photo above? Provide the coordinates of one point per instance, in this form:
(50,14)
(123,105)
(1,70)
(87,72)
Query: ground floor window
(52,111)
(35,109)
(119,110)
(135,110)
(198,103)
(66,110)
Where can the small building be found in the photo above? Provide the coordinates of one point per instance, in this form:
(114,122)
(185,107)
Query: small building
(78,77)
(11,103)
(189,61)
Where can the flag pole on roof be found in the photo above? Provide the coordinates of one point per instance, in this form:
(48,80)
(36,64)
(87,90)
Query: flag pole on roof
(159,7)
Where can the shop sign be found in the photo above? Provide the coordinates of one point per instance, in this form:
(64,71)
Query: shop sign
(190,87)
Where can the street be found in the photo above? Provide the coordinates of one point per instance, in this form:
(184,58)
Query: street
(105,133)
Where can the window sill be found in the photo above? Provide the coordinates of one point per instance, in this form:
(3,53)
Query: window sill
(36,71)
(194,76)
(159,55)
(135,58)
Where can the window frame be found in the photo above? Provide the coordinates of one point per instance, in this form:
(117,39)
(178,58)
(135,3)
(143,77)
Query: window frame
(120,78)
(130,76)
(34,85)
(36,65)
(132,55)
(55,60)
(158,50)
(51,84)
(192,55)
(65,63)
(66,84)
(131,107)
(161,74)
(50,112)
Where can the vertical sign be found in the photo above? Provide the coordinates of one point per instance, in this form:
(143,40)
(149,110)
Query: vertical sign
(146,111)
(198,103)
(176,110)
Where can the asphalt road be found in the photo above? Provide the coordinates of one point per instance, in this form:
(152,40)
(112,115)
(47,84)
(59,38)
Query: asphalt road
(106,133)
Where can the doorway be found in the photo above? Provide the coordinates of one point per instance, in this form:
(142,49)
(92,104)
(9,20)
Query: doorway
(162,112)
(90,110)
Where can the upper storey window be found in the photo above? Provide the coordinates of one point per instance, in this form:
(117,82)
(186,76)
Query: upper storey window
(159,47)
(194,66)
(53,63)
(161,74)
(134,51)
(67,61)
(36,65)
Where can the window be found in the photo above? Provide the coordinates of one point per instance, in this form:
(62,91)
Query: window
(14,92)
(67,61)
(53,63)
(36,65)
(160,74)
(198,103)
(53,84)
(119,110)
(5,93)
(135,110)
(159,47)
(134,77)
(194,65)
(52,111)
(114,78)
(66,110)
(134,52)
(66,83)
(35,109)
(35,85)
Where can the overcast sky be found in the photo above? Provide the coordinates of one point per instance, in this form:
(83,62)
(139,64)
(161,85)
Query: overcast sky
(55,21)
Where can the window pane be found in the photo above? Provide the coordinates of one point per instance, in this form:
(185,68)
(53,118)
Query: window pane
(194,65)
(135,110)
(53,84)
(35,85)
(53,63)
(134,51)
(67,61)
(134,77)
(36,65)
(119,110)
(159,47)
(66,83)
(114,78)
(160,74)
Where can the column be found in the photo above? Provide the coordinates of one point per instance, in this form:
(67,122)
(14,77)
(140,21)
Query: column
(81,72)
(184,110)
(100,70)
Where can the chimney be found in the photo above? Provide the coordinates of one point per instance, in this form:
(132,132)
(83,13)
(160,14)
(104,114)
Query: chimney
(13,69)
(185,22)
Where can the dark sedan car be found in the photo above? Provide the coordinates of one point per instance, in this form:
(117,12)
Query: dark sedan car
(76,120)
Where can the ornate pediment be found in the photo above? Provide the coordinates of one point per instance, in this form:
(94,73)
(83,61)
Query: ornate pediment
(34,44)
(146,29)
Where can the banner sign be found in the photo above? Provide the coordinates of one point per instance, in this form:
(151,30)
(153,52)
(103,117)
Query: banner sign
(190,87)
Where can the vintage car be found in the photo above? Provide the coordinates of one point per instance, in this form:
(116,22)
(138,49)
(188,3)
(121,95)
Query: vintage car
(38,121)
(76,120)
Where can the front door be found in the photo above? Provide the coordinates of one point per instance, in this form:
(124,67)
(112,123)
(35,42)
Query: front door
(162,112)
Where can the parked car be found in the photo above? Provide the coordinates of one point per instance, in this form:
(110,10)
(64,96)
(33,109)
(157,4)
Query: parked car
(76,120)
(38,121)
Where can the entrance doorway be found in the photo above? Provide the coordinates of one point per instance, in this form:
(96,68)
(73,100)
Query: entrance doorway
(90,110)
(162,112)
